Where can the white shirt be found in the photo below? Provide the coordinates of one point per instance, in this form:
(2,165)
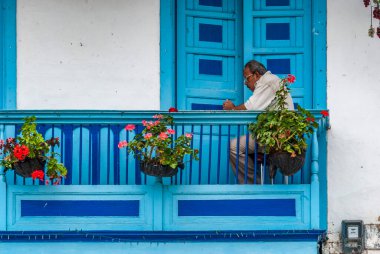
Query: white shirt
(265,91)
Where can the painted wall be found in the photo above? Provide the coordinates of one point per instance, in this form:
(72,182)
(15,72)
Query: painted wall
(353,100)
(88,54)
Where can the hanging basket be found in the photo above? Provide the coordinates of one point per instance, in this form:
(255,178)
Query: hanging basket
(287,165)
(25,168)
(153,169)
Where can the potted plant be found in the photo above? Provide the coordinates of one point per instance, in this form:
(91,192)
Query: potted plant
(282,133)
(156,149)
(27,154)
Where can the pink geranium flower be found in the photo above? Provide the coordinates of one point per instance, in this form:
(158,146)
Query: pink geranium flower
(171,131)
(163,136)
(158,116)
(188,135)
(148,136)
(130,127)
(122,144)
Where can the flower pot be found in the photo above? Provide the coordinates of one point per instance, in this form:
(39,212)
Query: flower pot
(153,169)
(288,165)
(25,168)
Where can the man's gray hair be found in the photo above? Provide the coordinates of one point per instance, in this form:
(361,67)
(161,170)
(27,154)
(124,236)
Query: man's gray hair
(255,66)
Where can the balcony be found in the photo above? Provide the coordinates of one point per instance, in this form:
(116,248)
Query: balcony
(105,189)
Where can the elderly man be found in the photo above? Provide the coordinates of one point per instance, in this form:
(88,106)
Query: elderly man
(264,85)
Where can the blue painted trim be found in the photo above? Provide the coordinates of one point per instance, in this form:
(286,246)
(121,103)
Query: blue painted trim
(8,54)
(176,236)
(80,208)
(237,207)
(320,96)
(319,54)
(167,54)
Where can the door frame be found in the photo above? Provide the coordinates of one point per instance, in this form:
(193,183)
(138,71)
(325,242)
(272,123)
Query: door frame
(8,54)
(168,54)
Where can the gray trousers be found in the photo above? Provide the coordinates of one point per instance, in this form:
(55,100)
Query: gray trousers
(242,158)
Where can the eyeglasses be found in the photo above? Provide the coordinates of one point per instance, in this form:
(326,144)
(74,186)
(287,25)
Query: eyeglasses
(246,78)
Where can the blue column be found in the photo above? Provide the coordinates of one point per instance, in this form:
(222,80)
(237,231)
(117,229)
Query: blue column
(314,213)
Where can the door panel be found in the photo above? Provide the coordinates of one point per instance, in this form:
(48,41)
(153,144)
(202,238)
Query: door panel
(278,34)
(209,53)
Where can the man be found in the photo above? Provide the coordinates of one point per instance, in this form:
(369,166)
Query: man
(264,85)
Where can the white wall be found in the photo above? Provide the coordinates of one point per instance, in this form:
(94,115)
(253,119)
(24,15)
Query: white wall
(354,103)
(88,54)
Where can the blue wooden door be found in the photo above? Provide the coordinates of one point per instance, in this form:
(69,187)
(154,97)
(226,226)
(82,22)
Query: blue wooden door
(278,34)
(211,38)
(209,53)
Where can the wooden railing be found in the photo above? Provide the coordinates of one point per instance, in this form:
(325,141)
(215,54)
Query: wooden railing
(89,147)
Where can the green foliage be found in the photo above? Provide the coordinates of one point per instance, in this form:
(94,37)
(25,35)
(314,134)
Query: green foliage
(279,129)
(156,144)
(34,146)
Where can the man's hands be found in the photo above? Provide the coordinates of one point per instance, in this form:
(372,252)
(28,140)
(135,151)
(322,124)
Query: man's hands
(228,105)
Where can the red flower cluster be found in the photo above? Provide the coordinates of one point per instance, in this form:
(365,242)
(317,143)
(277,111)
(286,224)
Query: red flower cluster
(310,119)
(324,113)
(291,78)
(366,2)
(38,174)
(376,13)
(173,109)
(20,152)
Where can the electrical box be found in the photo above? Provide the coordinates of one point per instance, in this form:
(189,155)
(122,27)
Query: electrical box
(352,236)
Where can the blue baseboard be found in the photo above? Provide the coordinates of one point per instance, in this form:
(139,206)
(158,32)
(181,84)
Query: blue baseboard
(175,236)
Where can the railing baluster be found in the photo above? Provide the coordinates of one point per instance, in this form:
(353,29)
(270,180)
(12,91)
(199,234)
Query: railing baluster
(80,153)
(246,158)
(181,171)
(191,157)
(237,155)
(256,147)
(127,161)
(89,155)
(200,154)
(228,153)
(219,151)
(67,132)
(108,153)
(116,154)
(209,156)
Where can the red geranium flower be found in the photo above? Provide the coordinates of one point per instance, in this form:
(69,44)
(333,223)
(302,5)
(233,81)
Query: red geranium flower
(38,174)
(173,109)
(291,78)
(324,113)
(20,152)
(310,119)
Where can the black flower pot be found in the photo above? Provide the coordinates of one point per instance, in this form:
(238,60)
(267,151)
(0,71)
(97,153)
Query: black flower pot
(153,169)
(288,165)
(25,168)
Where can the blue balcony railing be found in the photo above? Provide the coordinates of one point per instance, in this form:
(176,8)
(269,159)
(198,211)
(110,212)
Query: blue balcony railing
(203,196)
(89,147)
